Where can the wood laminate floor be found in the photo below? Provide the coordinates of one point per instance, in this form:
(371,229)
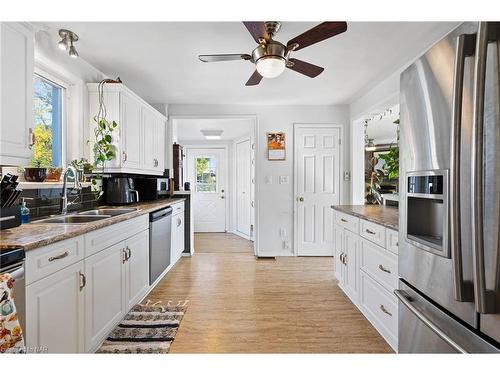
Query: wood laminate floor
(238,304)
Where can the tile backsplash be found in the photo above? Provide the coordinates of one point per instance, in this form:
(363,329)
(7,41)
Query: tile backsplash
(46,202)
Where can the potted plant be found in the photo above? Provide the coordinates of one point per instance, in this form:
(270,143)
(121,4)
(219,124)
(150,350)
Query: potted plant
(54,173)
(35,173)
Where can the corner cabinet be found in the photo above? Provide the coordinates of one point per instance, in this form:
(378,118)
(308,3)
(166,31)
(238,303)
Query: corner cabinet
(366,267)
(16,93)
(139,140)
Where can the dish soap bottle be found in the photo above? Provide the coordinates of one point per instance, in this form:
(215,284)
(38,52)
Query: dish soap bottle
(25,212)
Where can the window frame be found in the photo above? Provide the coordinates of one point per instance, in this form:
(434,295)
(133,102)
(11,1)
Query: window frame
(216,174)
(45,75)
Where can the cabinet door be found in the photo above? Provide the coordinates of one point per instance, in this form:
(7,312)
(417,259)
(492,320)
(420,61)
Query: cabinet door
(137,265)
(338,241)
(352,264)
(159,139)
(16,93)
(131,132)
(55,311)
(149,139)
(177,246)
(104,294)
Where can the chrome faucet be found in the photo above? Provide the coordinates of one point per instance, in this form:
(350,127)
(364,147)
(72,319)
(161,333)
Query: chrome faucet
(76,186)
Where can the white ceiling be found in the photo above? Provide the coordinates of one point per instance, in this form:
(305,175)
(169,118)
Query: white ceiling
(190,129)
(158,60)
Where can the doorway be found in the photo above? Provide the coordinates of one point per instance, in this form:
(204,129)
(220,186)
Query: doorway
(207,172)
(317,186)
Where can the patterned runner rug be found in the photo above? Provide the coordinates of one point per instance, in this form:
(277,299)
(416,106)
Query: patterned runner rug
(147,328)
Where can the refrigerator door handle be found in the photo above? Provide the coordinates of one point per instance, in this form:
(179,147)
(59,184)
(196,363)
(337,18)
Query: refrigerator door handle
(465,47)
(406,300)
(484,299)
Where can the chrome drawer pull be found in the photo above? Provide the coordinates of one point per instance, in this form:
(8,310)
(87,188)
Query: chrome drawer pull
(382,268)
(369,231)
(384,310)
(60,256)
(343,220)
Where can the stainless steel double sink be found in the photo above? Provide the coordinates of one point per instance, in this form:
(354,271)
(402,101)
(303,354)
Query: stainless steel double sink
(85,217)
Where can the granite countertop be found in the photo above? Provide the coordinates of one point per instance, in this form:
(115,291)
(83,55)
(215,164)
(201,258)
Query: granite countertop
(388,216)
(33,235)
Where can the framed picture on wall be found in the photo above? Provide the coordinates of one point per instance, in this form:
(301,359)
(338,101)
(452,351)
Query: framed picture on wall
(276,146)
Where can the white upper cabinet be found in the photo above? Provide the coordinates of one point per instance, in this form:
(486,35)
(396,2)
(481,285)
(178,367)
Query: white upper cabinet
(139,139)
(16,93)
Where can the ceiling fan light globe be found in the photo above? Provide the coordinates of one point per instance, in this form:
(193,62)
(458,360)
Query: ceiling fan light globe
(63,44)
(72,52)
(271,67)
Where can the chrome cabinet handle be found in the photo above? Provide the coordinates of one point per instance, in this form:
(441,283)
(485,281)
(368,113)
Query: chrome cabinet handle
(129,253)
(60,256)
(464,47)
(124,156)
(124,253)
(382,268)
(31,138)
(179,222)
(344,259)
(343,220)
(385,311)
(83,280)
(484,299)
(369,231)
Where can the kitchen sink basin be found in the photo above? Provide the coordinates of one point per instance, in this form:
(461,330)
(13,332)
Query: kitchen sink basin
(73,219)
(107,211)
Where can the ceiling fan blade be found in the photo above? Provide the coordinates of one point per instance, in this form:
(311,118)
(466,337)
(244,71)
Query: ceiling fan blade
(257,30)
(224,57)
(318,33)
(254,79)
(305,68)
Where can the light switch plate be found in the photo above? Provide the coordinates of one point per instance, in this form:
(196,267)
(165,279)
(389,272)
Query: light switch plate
(347,175)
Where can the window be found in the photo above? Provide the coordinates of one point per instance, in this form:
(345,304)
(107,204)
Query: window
(206,174)
(48,128)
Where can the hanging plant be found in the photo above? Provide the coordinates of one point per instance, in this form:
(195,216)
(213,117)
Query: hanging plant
(103,148)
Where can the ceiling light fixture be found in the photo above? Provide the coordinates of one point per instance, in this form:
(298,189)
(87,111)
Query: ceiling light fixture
(66,43)
(271,67)
(212,134)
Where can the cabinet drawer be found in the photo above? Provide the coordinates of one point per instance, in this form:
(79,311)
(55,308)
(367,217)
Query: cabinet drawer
(105,237)
(177,207)
(52,258)
(347,221)
(380,307)
(392,238)
(380,264)
(372,232)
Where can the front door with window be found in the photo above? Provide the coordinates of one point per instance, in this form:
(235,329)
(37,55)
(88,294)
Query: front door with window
(207,173)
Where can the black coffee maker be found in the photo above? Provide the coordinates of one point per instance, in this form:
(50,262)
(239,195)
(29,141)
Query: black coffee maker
(120,190)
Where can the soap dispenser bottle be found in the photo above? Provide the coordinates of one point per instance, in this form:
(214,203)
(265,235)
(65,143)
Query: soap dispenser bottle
(25,212)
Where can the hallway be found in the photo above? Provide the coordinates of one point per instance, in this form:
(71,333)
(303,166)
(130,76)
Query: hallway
(238,304)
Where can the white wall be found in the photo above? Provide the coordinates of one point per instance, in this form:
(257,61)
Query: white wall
(76,72)
(275,202)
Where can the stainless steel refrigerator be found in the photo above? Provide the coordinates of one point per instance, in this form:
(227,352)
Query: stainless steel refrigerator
(449,239)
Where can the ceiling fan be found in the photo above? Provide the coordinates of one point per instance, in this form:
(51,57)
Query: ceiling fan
(272,57)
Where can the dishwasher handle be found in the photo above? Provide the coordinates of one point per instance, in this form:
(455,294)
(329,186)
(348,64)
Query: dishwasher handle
(157,215)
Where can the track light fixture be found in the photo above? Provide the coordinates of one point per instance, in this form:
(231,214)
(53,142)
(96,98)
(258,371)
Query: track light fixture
(66,43)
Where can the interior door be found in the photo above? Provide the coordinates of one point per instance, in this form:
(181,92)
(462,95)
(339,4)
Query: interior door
(317,181)
(206,170)
(243,187)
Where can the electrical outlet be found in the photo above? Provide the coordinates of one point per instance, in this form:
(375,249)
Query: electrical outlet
(283,179)
(282,232)
(286,244)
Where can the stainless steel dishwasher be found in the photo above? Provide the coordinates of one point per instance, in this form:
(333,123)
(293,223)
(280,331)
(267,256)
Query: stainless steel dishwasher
(160,223)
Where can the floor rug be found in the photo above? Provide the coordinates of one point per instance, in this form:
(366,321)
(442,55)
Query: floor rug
(147,329)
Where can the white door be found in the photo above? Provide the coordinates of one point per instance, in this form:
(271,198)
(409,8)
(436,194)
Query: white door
(207,172)
(137,273)
(104,293)
(243,187)
(317,181)
(55,312)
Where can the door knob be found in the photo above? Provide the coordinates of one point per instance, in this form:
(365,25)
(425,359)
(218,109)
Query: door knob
(301,199)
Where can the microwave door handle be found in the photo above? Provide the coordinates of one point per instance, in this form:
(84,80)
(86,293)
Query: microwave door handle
(484,299)
(465,47)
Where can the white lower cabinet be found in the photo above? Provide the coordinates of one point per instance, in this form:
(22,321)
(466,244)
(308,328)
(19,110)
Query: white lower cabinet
(73,309)
(137,268)
(55,312)
(366,267)
(104,293)
(177,236)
